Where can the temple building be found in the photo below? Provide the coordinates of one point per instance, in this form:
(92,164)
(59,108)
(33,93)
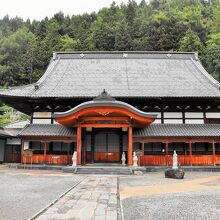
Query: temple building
(101,104)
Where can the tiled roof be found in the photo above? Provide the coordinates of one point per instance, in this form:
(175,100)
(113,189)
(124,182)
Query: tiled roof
(179,130)
(122,74)
(17,124)
(54,130)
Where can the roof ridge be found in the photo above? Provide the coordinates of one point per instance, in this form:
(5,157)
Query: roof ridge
(206,75)
(50,67)
(23,129)
(121,52)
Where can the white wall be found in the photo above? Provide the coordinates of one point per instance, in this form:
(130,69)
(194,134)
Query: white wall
(13,141)
(42,117)
(41,121)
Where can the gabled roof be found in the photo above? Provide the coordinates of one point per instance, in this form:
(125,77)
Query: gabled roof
(122,74)
(179,130)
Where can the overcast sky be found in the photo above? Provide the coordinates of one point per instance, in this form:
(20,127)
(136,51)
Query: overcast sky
(38,9)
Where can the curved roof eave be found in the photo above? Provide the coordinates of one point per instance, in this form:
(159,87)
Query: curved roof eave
(91,104)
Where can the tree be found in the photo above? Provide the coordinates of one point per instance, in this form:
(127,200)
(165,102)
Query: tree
(130,13)
(122,37)
(163,33)
(211,58)
(11,50)
(191,42)
(215,27)
(69,44)
(102,36)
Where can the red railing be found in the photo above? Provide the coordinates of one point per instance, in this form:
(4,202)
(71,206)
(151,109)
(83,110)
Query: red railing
(160,160)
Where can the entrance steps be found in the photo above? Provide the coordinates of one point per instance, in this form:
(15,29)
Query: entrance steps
(110,170)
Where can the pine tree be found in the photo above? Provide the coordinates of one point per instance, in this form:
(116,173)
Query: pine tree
(123,40)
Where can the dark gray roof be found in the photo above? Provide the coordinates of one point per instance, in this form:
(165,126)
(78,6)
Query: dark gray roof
(122,74)
(54,130)
(179,130)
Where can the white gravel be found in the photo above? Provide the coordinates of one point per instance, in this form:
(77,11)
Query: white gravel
(195,205)
(22,195)
(191,205)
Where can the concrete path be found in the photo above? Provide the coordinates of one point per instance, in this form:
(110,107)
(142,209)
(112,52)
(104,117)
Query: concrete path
(93,199)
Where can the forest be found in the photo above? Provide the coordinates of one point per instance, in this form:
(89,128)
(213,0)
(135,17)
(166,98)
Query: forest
(157,25)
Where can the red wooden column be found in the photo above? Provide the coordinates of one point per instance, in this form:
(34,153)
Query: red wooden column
(190,153)
(79,143)
(130,161)
(45,151)
(166,152)
(213,152)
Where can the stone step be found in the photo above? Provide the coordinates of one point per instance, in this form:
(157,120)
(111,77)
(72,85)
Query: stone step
(103,170)
(3,166)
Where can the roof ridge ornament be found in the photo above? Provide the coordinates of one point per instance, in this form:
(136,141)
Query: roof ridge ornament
(54,55)
(36,85)
(125,55)
(104,96)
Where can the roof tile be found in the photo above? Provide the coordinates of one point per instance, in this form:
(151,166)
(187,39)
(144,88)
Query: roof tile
(179,130)
(47,130)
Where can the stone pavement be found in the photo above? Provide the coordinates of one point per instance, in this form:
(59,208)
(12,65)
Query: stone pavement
(96,198)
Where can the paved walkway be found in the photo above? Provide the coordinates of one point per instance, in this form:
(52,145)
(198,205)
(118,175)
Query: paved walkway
(93,199)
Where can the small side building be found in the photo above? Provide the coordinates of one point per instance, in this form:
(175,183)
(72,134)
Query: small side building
(3,137)
(13,141)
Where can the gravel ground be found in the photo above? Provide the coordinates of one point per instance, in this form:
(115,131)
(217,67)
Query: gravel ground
(179,206)
(23,193)
(189,205)
(157,178)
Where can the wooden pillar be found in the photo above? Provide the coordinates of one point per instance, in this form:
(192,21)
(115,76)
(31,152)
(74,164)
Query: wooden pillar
(130,161)
(213,152)
(45,151)
(166,152)
(79,143)
(190,153)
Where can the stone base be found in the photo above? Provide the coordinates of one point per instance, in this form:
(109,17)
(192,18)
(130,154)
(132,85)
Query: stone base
(174,173)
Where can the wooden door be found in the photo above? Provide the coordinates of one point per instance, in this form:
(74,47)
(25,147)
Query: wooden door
(13,153)
(106,146)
